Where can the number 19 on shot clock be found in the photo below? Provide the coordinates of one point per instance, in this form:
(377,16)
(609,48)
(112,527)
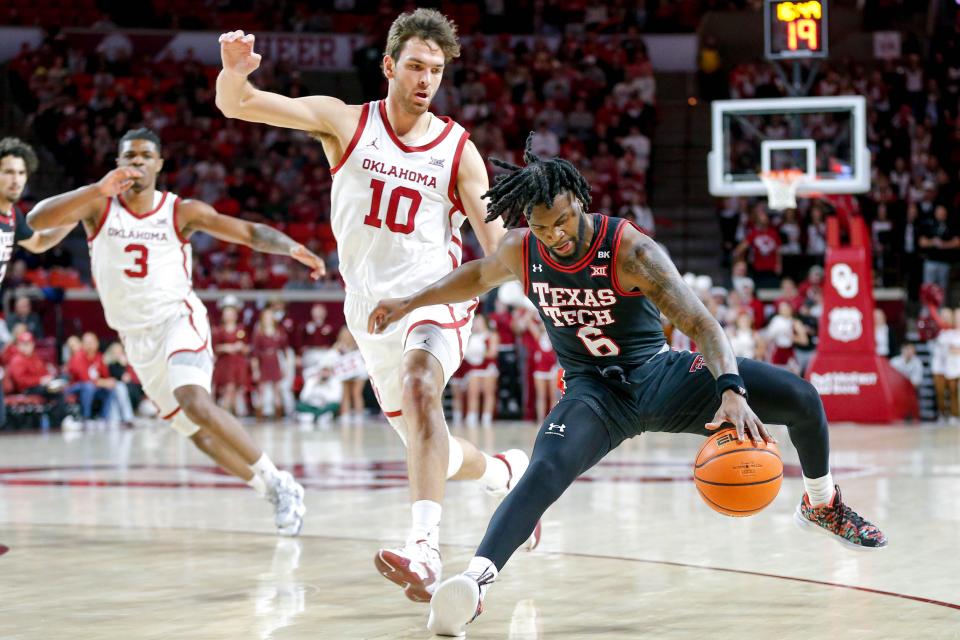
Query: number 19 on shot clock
(795,29)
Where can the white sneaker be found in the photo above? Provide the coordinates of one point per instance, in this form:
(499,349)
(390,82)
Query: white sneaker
(286,495)
(517,463)
(457,603)
(416,567)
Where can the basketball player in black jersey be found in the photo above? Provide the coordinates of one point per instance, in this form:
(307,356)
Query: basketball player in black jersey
(17,161)
(600,286)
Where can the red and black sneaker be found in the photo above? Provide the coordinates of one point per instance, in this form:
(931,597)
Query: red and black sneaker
(840,520)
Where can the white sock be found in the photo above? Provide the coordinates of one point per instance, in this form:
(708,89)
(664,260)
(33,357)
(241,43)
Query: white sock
(480,565)
(819,490)
(264,467)
(487,419)
(495,475)
(426,522)
(258,485)
(471,419)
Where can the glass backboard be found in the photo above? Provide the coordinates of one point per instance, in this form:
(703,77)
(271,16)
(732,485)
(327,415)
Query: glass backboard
(825,138)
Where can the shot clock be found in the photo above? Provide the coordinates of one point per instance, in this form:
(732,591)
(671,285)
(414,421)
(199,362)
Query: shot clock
(795,29)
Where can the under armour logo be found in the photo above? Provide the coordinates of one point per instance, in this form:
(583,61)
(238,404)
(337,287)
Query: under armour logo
(437,162)
(373,143)
(596,271)
(537,268)
(556,430)
(603,254)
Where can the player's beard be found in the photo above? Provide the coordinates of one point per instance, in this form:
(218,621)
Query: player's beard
(12,197)
(577,244)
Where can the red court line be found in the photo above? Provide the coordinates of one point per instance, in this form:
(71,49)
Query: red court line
(823,583)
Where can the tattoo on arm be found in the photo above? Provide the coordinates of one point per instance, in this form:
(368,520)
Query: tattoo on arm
(661,282)
(266,239)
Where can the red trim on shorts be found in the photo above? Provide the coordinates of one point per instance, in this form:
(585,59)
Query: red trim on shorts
(141,216)
(456,324)
(176,227)
(456,240)
(361,125)
(393,414)
(103,220)
(525,252)
(203,348)
(598,234)
(195,330)
(453,259)
(382,106)
(171,414)
(459,337)
(621,227)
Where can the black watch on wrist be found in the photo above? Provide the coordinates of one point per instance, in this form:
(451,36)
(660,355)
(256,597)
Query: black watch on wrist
(731,381)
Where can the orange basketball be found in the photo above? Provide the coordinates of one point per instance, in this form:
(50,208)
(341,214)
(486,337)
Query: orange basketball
(737,478)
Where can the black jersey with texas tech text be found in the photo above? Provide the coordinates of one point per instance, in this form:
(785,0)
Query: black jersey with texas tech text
(590,320)
(13,229)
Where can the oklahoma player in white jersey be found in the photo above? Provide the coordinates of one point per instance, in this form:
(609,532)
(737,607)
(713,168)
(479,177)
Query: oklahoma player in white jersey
(141,262)
(404,181)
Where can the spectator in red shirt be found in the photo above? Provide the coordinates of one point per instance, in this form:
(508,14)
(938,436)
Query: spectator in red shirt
(9,351)
(316,336)
(26,371)
(763,245)
(90,379)
(268,341)
(29,374)
(231,343)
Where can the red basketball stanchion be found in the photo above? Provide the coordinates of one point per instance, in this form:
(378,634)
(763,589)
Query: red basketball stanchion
(856,384)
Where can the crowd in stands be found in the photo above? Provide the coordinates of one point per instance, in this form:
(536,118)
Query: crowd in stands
(913,208)
(591,100)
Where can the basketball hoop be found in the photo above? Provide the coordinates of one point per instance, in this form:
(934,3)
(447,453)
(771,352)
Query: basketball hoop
(782,187)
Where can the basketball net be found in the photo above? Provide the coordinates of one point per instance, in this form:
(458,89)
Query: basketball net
(782,187)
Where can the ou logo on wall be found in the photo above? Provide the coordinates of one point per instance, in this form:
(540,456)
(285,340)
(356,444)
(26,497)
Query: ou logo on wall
(846,324)
(844,280)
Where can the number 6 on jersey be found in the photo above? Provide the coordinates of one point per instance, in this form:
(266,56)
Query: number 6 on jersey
(597,343)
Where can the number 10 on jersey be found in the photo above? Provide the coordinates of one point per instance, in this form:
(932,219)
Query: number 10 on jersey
(373,218)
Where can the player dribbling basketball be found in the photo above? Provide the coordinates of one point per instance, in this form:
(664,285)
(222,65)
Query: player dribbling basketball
(600,284)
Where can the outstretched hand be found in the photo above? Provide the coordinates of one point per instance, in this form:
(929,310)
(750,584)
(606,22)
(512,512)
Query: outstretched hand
(735,411)
(236,52)
(304,256)
(117,181)
(386,313)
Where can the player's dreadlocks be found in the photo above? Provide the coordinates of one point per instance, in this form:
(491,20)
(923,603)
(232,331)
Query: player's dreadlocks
(538,182)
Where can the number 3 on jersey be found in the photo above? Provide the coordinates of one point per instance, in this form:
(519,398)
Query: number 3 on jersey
(373,218)
(140,261)
(596,343)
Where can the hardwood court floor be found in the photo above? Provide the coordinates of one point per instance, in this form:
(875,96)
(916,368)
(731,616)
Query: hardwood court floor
(134,535)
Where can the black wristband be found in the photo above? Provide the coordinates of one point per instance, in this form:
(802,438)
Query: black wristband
(731,381)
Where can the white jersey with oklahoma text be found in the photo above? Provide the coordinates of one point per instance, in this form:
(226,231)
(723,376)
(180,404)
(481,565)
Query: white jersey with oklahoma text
(141,267)
(395,212)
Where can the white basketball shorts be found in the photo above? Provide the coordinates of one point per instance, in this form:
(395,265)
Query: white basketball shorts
(173,354)
(441,330)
